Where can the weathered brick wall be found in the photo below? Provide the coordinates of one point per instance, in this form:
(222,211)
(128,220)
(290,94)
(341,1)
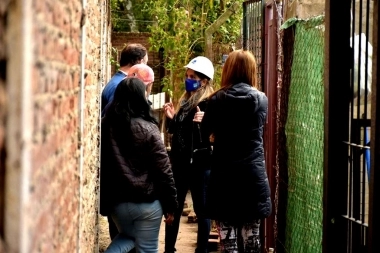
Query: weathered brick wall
(96,36)
(2,118)
(55,177)
(303,9)
(120,39)
(52,146)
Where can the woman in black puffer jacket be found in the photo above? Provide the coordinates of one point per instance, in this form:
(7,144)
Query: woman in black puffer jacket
(136,183)
(238,194)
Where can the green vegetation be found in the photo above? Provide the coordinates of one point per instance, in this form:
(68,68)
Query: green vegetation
(178,28)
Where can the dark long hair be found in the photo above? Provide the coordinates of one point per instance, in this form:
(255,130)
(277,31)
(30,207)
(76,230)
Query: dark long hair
(129,102)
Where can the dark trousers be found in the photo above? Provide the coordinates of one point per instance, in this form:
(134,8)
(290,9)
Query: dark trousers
(196,181)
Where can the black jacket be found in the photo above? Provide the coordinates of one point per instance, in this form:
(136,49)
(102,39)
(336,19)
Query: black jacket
(187,137)
(239,189)
(135,171)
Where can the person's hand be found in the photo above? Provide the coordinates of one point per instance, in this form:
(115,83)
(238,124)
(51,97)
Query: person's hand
(211,138)
(198,116)
(169,110)
(169,218)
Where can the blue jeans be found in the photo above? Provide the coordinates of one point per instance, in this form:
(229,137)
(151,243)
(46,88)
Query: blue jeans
(138,225)
(196,181)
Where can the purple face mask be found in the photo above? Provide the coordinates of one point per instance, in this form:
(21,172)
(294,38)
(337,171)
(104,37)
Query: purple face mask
(191,84)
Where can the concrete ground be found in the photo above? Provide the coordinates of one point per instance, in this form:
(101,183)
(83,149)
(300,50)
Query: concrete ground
(186,240)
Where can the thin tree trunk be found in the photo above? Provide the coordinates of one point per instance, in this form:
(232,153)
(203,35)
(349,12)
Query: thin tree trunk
(214,26)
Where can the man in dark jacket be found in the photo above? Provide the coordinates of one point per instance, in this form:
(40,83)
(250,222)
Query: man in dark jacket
(130,55)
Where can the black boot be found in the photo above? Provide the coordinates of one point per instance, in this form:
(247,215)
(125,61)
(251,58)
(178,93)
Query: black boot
(170,251)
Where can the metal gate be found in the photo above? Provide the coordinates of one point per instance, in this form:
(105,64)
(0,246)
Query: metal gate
(253,23)
(358,172)
(348,165)
(260,37)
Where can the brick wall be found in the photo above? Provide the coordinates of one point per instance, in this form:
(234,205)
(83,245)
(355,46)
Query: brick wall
(2,118)
(303,9)
(119,39)
(52,128)
(55,177)
(95,78)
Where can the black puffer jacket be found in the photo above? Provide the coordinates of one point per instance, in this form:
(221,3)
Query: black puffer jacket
(239,189)
(137,171)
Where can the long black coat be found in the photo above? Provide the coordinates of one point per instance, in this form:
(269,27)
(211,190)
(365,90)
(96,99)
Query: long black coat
(239,189)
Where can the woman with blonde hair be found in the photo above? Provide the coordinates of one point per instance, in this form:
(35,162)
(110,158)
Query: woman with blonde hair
(238,194)
(190,152)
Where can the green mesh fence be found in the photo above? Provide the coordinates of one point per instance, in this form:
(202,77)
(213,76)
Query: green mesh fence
(304,133)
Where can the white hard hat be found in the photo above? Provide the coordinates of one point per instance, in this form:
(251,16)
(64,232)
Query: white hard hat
(202,65)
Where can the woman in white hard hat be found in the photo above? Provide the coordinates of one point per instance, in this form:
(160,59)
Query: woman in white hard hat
(190,152)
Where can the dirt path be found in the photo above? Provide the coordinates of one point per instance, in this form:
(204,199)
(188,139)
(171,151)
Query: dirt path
(186,240)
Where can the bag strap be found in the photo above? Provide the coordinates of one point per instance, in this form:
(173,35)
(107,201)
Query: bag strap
(192,139)
(192,144)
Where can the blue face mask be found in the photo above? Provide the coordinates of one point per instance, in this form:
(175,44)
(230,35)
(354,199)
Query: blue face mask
(191,84)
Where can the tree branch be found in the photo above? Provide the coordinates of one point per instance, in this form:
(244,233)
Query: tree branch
(214,26)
